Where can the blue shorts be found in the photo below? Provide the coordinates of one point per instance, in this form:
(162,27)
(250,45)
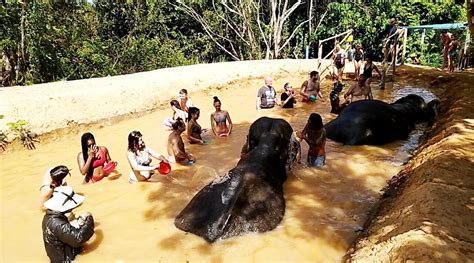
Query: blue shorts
(317,161)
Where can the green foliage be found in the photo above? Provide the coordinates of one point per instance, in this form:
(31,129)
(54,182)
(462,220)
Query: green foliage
(68,40)
(21,130)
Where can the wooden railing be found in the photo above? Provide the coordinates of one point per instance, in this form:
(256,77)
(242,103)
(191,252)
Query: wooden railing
(345,35)
(392,53)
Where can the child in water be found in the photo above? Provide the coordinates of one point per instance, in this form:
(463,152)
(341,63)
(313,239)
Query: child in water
(315,135)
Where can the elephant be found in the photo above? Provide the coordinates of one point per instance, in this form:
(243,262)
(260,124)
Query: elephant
(249,197)
(375,122)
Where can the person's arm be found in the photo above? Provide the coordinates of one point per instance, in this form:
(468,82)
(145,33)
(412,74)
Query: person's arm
(303,89)
(107,155)
(73,236)
(277,100)
(157,156)
(135,166)
(230,122)
(85,165)
(213,125)
(190,135)
(284,102)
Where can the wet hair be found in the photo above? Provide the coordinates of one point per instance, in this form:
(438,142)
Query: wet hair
(191,111)
(216,99)
(175,103)
(85,150)
(184,91)
(287,85)
(313,73)
(316,122)
(58,173)
(178,123)
(133,139)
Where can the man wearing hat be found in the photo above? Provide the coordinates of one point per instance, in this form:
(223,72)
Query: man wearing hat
(62,240)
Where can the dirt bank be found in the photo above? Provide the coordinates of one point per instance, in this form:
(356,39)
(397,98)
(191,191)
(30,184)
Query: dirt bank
(63,104)
(427,211)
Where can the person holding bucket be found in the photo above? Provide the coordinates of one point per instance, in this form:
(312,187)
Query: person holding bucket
(94,161)
(63,239)
(139,157)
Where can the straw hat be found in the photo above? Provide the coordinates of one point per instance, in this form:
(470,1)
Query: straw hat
(64,199)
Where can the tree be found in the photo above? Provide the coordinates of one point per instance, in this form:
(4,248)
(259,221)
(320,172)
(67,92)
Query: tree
(247,29)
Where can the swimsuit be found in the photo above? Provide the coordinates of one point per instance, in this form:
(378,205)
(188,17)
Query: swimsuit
(317,161)
(102,159)
(367,72)
(220,118)
(144,158)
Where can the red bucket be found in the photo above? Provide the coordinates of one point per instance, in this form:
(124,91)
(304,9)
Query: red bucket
(109,167)
(165,168)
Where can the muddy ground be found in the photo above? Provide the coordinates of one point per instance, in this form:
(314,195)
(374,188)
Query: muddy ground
(426,213)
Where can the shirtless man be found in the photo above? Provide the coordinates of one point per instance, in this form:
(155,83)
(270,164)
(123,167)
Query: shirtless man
(356,90)
(445,42)
(311,87)
(176,150)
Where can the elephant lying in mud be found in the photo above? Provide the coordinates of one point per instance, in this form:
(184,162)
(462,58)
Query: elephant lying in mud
(376,122)
(249,198)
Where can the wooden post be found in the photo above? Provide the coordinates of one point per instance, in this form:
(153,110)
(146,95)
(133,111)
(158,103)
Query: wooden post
(384,65)
(405,36)
(320,53)
(394,59)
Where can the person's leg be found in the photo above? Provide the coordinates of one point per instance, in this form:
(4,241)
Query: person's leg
(369,88)
(356,69)
(320,161)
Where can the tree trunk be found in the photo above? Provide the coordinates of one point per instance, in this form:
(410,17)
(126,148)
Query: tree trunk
(470,11)
(22,62)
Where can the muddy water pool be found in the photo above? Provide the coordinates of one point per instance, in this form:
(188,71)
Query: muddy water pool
(134,222)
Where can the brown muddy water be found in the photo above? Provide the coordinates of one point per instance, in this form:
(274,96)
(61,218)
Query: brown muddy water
(134,222)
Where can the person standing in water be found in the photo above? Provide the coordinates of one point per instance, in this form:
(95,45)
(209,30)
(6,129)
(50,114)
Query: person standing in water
(288,97)
(92,159)
(219,120)
(452,53)
(51,179)
(314,134)
(311,87)
(176,151)
(184,101)
(139,157)
(358,59)
(266,96)
(366,76)
(194,130)
(339,61)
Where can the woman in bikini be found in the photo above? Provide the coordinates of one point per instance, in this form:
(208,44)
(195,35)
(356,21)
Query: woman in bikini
(92,159)
(194,129)
(139,157)
(366,76)
(219,120)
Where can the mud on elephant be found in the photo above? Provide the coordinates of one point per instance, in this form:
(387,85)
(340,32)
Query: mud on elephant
(249,198)
(376,122)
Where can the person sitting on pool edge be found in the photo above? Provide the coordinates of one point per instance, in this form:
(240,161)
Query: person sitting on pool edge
(139,157)
(177,113)
(92,159)
(176,151)
(184,101)
(314,134)
(52,178)
(219,120)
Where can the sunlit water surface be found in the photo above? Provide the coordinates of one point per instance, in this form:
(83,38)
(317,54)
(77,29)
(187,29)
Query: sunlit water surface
(324,207)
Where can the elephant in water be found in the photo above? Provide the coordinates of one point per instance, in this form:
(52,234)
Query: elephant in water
(375,122)
(249,198)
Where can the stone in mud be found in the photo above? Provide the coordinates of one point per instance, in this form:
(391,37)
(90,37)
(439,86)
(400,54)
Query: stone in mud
(376,122)
(249,198)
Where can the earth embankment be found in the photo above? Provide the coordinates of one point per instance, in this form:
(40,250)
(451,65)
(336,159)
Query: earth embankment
(57,105)
(427,211)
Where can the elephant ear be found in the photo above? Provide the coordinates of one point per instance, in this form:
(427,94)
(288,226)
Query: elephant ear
(207,213)
(432,111)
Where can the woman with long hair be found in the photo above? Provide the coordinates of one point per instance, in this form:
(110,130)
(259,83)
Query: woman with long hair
(92,159)
(219,120)
(314,134)
(139,157)
(194,129)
